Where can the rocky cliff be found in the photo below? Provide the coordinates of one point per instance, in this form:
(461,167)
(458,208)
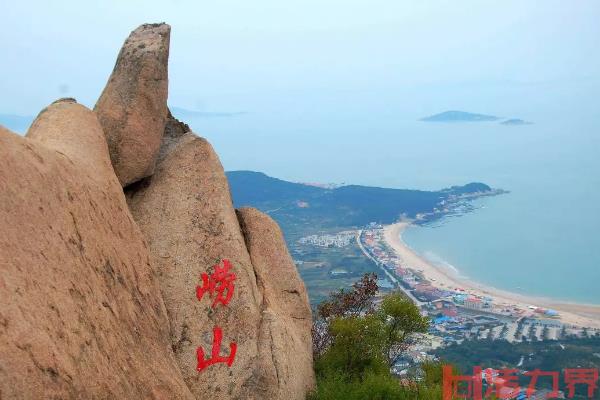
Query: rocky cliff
(125,271)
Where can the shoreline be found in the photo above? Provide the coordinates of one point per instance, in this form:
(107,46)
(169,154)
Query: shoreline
(581,315)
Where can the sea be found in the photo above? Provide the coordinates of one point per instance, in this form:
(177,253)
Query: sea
(542,238)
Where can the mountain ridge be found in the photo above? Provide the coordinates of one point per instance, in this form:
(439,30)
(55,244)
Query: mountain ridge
(348,205)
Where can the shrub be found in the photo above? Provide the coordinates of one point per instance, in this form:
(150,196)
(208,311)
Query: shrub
(358,345)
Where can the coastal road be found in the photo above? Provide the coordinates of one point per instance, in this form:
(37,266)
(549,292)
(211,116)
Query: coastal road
(391,277)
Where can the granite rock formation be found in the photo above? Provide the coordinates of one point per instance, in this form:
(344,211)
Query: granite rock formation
(98,284)
(81,315)
(133,106)
(186,214)
(287,319)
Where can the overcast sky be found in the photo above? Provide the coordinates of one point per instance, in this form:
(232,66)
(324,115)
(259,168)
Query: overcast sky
(229,56)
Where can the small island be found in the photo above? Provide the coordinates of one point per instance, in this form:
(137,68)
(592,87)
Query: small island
(515,122)
(459,116)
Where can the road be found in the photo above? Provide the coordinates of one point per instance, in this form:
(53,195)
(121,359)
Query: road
(391,277)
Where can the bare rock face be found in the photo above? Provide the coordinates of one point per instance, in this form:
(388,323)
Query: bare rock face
(186,214)
(133,106)
(72,130)
(106,295)
(81,314)
(285,301)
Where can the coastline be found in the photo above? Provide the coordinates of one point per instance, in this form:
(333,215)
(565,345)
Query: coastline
(583,315)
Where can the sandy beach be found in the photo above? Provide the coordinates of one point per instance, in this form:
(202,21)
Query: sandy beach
(583,315)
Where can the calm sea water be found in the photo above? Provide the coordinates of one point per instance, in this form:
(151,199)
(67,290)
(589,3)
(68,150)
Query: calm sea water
(542,238)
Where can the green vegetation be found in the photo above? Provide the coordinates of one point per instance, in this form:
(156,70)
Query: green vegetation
(318,263)
(302,210)
(548,355)
(356,343)
(300,205)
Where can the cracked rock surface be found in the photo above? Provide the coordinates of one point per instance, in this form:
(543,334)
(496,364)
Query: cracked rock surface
(132,109)
(81,315)
(108,219)
(186,214)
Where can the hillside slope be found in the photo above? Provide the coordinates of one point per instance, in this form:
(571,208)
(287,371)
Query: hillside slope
(350,205)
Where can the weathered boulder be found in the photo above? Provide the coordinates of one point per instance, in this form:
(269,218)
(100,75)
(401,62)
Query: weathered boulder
(81,315)
(92,306)
(285,300)
(72,130)
(133,106)
(186,214)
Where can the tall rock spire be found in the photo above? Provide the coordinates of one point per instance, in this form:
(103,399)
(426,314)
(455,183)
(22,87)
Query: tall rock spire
(133,106)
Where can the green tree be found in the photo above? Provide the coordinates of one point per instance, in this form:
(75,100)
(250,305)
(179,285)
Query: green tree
(356,347)
(563,332)
(401,321)
(357,301)
(359,342)
(533,332)
(354,302)
(519,330)
(546,333)
(585,333)
(363,347)
(504,331)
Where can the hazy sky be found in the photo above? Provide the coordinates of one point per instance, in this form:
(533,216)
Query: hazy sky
(333,89)
(420,57)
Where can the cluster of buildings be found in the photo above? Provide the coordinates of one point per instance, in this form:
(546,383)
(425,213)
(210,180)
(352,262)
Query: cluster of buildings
(410,280)
(493,382)
(455,324)
(457,315)
(340,239)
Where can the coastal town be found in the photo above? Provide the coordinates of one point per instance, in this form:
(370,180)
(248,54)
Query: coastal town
(340,239)
(456,313)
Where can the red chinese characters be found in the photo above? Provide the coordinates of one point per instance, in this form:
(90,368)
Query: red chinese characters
(220,286)
(504,383)
(588,377)
(214,355)
(535,375)
(219,282)
(452,384)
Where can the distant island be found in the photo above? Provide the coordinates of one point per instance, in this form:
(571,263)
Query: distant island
(459,116)
(515,121)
